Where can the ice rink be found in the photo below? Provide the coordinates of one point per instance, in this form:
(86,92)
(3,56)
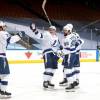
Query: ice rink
(25,83)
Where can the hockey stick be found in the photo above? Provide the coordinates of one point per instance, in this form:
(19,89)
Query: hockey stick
(43,7)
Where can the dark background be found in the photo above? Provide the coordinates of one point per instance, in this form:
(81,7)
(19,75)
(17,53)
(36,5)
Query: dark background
(56,9)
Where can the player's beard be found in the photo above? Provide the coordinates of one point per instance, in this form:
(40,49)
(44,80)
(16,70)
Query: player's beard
(65,34)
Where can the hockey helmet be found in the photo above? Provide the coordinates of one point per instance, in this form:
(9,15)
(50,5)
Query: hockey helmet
(52,27)
(68,27)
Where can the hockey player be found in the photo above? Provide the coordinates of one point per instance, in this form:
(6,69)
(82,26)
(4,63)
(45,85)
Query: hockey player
(79,43)
(69,49)
(5,38)
(66,28)
(50,47)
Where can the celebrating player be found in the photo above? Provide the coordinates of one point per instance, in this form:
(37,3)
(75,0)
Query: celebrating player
(70,46)
(50,47)
(5,38)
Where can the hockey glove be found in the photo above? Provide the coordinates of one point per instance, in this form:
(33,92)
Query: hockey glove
(20,34)
(33,27)
(60,53)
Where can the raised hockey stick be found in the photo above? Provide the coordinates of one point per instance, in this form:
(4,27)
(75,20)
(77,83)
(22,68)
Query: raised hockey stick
(43,7)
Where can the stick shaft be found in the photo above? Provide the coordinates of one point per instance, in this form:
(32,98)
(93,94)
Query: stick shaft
(43,7)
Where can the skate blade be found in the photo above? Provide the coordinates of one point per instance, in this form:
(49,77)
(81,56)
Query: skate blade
(63,84)
(5,97)
(70,90)
(49,89)
(76,88)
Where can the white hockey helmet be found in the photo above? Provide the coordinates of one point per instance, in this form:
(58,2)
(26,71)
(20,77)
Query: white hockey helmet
(52,27)
(2,23)
(68,27)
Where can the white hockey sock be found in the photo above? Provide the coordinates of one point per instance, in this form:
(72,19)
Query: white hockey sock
(64,74)
(4,82)
(77,75)
(48,77)
(69,78)
(3,87)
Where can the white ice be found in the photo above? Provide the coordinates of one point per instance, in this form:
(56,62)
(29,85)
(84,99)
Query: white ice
(25,83)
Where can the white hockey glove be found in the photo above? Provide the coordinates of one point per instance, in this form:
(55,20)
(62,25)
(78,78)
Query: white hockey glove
(20,34)
(60,53)
(33,27)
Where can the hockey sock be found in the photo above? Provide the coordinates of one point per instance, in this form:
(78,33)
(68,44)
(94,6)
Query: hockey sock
(4,85)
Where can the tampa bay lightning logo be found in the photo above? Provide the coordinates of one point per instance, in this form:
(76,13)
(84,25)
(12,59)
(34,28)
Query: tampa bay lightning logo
(54,44)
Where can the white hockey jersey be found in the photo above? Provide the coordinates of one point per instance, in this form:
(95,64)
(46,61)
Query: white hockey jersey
(69,44)
(49,42)
(72,43)
(6,38)
(79,41)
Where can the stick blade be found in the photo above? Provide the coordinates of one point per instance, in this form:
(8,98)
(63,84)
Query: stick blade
(43,4)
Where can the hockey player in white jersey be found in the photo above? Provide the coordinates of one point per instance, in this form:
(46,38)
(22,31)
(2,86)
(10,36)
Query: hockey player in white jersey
(66,30)
(50,47)
(69,49)
(76,71)
(5,38)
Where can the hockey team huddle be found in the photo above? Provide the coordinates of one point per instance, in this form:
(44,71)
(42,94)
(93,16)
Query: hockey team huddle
(53,49)
(69,49)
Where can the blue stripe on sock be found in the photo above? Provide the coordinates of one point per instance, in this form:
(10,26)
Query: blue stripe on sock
(4,82)
(73,73)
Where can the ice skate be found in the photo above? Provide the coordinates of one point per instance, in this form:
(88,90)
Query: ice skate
(70,88)
(64,82)
(76,83)
(48,85)
(4,95)
(45,84)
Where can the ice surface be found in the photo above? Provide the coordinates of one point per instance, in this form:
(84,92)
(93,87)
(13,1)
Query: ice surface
(25,83)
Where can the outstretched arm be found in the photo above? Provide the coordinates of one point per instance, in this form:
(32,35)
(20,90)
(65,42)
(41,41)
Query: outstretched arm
(36,31)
